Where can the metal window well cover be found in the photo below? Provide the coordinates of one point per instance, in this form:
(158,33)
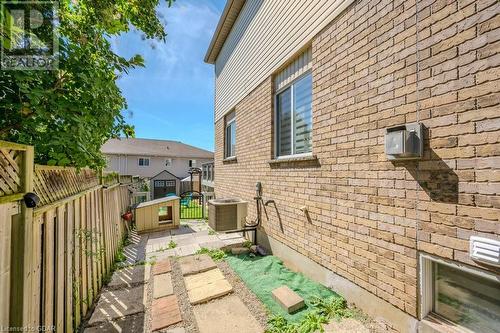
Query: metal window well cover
(264,274)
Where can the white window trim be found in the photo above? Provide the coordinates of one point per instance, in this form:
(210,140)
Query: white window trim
(144,158)
(227,124)
(169,162)
(427,281)
(291,86)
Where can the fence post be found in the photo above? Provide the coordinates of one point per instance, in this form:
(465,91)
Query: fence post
(21,255)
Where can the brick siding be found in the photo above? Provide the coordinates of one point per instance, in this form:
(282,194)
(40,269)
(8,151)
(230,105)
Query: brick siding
(369,217)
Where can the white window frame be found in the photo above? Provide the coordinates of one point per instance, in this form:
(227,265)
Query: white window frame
(144,159)
(192,163)
(291,85)
(427,280)
(168,162)
(228,144)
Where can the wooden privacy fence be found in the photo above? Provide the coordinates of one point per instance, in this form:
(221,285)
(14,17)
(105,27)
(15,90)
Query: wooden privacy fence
(54,258)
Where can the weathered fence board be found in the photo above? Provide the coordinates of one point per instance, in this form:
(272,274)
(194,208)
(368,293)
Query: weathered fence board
(64,248)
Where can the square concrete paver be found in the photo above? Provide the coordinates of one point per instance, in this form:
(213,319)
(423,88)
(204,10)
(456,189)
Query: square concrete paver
(117,304)
(289,300)
(163,285)
(226,315)
(162,266)
(165,312)
(196,264)
(130,324)
(203,287)
(127,277)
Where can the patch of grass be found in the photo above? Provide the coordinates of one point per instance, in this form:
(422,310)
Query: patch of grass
(211,232)
(247,244)
(172,245)
(216,255)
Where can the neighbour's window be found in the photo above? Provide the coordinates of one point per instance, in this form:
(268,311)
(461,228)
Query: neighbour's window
(192,163)
(294,117)
(143,161)
(230,135)
(159,183)
(168,162)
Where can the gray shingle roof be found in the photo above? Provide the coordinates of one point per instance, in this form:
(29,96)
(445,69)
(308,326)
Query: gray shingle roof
(151,147)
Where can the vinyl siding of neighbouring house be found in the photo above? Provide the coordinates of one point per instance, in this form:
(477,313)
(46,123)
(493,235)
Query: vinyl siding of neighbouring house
(129,165)
(264,37)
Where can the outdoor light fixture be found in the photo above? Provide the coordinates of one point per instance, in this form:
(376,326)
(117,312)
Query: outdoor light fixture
(31,200)
(404,142)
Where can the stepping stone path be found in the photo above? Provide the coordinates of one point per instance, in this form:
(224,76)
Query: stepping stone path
(205,286)
(165,312)
(117,304)
(122,303)
(165,309)
(196,264)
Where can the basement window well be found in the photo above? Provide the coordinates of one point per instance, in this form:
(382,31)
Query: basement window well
(461,296)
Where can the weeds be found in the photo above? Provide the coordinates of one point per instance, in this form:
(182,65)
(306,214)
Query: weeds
(247,244)
(172,244)
(324,310)
(216,255)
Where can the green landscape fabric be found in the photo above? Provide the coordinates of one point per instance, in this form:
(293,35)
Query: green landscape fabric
(264,274)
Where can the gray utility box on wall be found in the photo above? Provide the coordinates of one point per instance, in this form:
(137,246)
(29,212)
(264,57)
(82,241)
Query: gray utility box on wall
(404,142)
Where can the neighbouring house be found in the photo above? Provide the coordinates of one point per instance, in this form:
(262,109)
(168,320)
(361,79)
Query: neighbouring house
(327,104)
(148,158)
(208,177)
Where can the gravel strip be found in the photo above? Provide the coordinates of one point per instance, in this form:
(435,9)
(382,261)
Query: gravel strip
(148,284)
(246,295)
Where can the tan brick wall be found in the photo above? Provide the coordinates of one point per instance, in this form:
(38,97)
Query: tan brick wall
(370,217)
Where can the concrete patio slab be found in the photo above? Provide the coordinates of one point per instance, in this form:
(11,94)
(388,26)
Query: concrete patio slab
(203,287)
(157,256)
(128,276)
(165,312)
(188,250)
(209,292)
(196,264)
(213,317)
(130,324)
(177,330)
(348,325)
(163,285)
(162,266)
(202,279)
(116,304)
(217,244)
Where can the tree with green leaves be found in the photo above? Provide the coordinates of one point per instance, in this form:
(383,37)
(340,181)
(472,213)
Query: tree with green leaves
(68,113)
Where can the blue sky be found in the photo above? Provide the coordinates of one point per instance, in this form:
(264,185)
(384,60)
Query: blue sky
(172,97)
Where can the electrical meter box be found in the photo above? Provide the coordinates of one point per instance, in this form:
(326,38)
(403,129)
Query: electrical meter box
(404,142)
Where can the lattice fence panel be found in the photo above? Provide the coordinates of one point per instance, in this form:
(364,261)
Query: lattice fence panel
(10,169)
(56,183)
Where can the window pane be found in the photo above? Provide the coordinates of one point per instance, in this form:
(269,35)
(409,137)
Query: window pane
(233,138)
(230,144)
(284,123)
(467,299)
(303,115)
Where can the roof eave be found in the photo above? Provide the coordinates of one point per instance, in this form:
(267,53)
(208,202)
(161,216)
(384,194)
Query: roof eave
(232,9)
